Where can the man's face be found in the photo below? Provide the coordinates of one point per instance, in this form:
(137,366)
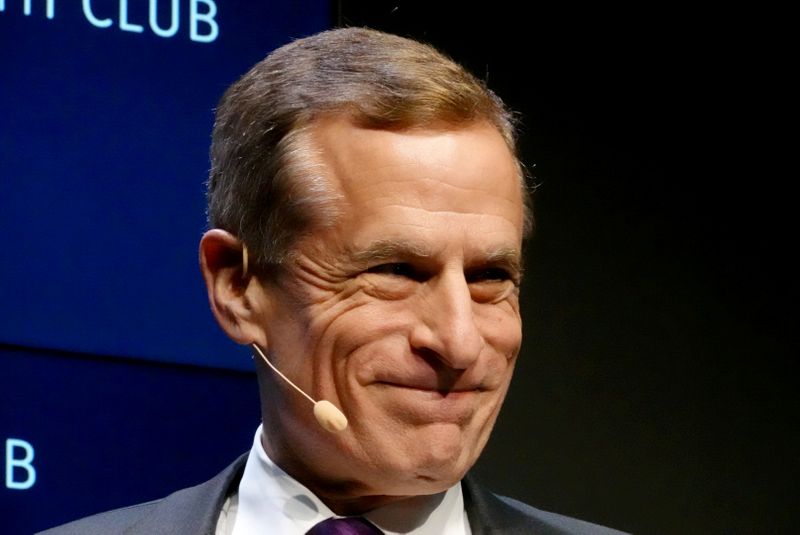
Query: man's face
(404,313)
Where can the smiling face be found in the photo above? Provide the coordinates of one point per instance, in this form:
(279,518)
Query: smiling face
(404,313)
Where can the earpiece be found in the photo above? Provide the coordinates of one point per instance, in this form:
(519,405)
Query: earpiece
(326,413)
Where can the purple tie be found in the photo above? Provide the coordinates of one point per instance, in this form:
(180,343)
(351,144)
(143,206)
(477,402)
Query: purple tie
(344,526)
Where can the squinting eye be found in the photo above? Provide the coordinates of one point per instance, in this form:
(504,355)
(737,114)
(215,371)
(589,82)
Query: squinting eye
(489,275)
(395,268)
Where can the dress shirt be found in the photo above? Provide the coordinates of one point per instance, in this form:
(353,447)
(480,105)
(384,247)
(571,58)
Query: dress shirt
(271,501)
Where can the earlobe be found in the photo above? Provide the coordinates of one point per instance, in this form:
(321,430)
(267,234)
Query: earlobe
(230,287)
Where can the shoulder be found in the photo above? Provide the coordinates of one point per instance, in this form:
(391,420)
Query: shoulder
(193,510)
(556,522)
(109,522)
(491,513)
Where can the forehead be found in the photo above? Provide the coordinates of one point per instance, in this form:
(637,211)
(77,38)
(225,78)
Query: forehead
(429,177)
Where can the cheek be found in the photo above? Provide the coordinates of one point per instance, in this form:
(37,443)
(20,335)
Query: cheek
(365,336)
(501,326)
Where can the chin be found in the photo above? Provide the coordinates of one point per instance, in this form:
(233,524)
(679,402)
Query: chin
(418,484)
(436,462)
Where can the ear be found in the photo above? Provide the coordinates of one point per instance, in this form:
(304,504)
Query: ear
(236,298)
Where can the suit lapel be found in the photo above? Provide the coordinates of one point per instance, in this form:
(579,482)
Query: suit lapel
(488,514)
(485,511)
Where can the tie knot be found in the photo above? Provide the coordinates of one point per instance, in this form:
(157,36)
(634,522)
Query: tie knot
(345,526)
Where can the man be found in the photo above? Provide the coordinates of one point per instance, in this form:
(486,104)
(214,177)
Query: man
(367,214)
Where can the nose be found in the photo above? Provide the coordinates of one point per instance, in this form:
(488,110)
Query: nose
(447,325)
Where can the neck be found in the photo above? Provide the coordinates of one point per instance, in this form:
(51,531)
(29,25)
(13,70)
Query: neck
(343,497)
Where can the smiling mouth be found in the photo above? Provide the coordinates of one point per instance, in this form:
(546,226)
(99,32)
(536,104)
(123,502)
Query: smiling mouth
(441,392)
(420,404)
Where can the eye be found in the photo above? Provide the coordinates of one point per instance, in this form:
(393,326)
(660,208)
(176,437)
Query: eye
(392,280)
(491,274)
(492,284)
(398,269)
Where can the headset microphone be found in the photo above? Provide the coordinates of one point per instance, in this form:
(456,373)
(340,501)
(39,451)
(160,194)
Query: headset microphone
(326,413)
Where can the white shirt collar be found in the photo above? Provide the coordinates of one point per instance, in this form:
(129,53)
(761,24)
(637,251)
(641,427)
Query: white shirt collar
(269,497)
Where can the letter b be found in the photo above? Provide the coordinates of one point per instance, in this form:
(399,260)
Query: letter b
(24,463)
(195,17)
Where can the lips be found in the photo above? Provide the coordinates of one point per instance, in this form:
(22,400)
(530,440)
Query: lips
(419,404)
(436,388)
(441,381)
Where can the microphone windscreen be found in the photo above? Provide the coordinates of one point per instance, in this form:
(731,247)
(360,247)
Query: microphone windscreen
(329,416)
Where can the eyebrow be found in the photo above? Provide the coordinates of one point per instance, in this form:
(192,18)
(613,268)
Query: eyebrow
(506,256)
(388,249)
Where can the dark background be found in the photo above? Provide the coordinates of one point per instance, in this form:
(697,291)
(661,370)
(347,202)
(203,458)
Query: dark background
(655,392)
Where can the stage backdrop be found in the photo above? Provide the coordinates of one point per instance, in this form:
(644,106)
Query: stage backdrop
(106,110)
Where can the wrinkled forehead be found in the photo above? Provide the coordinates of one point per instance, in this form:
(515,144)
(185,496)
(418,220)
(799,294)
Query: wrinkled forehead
(443,166)
(441,188)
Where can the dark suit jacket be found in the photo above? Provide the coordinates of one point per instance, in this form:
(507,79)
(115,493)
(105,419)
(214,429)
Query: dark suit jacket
(194,511)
